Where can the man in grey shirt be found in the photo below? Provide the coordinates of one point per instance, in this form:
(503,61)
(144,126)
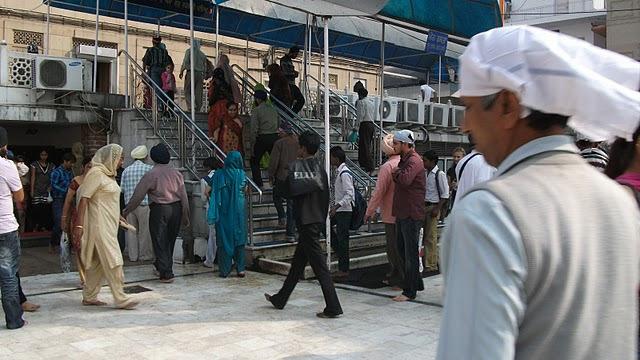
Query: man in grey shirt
(264,132)
(542,262)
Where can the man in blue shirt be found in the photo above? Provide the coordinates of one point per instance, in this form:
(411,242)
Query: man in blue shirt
(60,180)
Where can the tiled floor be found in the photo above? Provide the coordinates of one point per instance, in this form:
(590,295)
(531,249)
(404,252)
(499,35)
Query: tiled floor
(201,316)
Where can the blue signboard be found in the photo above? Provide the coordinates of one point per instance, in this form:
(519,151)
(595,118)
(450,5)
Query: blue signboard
(436,43)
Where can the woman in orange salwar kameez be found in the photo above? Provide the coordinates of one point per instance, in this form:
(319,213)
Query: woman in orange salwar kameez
(219,95)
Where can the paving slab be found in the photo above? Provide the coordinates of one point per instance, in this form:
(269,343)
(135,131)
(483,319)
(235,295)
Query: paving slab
(203,316)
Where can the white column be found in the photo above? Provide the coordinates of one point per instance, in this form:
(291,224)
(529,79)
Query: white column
(126,49)
(327,138)
(382,42)
(439,76)
(46,50)
(191,64)
(95,50)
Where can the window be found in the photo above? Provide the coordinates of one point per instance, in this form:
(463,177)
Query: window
(90,42)
(333,80)
(28,37)
(363,81)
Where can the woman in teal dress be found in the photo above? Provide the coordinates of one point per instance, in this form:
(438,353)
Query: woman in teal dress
(227,212)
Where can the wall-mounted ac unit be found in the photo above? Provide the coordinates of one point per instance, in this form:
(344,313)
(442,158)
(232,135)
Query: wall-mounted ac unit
(457,115)
(392,110)
(412,112)
(53,73)
(438,114)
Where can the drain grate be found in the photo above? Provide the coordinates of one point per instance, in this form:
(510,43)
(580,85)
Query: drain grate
(135,289)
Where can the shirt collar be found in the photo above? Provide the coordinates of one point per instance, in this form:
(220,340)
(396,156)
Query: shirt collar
(342,166)
(535,147)
(435,169)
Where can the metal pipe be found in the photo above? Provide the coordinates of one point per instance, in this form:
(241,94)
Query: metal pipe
(382,44)
(95,49)
(46,51)
(439,76)
(327,138)
(217,31)
(126,48)
(192,66)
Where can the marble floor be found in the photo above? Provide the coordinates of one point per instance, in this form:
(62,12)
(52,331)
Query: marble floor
(201,316)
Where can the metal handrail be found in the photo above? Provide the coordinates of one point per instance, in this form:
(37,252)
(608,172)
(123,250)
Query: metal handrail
(295,120)
(184,122)
(350,107)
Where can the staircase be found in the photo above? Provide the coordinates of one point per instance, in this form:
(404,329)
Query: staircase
(267,247)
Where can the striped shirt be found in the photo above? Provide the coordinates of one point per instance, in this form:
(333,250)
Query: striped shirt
(60,180)
(596,157)
(131,177)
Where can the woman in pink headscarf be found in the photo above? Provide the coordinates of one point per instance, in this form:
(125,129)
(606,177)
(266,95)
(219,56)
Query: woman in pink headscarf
(223,63)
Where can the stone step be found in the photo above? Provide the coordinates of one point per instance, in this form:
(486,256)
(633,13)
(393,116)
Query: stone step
(360,244)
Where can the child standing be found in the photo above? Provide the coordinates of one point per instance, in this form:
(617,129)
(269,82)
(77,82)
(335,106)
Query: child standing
(211,164)
(169,82)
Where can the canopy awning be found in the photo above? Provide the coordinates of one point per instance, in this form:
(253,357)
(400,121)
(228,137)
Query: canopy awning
(278,25)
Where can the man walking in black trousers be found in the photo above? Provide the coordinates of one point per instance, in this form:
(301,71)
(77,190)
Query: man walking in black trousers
(169,207)
(310,207)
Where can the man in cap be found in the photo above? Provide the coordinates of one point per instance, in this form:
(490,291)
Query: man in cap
(138,243)
(541,262)
(264,132)
(168,207)
(284,152)
(10,191)
(155,60)
(408,208)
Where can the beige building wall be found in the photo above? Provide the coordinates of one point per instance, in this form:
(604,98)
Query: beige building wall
(65,26)
(623,27)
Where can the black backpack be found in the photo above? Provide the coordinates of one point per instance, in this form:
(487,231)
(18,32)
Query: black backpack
(358,207)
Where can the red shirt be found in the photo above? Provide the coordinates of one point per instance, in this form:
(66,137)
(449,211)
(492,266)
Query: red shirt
(408,199)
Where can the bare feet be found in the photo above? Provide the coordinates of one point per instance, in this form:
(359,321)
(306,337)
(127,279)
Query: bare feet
(401,298)
(93,303)
(30,307)
(241,274)
(396,288)
(129,306)
(166,281)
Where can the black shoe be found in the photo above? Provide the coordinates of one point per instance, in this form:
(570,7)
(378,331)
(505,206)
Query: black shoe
(270,299)
(324,315)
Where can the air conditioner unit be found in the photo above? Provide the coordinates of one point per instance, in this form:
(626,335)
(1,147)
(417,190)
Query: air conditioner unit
(392,110)
(411,110)
(53,73)
(438,114)
(457,115)
(336,106)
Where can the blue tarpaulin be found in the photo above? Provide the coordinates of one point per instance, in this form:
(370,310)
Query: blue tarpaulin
(258,26)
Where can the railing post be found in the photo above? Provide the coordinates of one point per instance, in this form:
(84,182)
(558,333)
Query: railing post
(154,108)
(250,203)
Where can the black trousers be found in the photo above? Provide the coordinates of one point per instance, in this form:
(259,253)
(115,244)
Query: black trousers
(264,144)
(365,145)
(340,238)
(308,251)
(164,225)
(408,233)
(298,98)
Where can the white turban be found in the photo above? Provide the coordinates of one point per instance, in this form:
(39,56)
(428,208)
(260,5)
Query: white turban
(140,152)
(557,74)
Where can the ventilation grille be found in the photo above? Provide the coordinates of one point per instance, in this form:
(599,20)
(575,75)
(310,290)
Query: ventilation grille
(53,73)
(20,71)
(28,38)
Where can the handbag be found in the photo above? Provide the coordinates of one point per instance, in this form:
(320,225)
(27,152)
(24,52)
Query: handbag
(306,176)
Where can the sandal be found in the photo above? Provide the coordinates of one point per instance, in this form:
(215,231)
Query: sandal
(30,307)
(93,303)
(129,305)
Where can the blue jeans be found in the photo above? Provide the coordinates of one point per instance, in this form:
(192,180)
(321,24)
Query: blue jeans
(9,262)
(56,233)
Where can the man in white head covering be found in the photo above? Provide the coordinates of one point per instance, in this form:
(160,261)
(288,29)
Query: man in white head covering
(139,246)
(540,262)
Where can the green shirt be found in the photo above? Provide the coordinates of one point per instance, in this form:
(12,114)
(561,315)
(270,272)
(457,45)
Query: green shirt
(264,120)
